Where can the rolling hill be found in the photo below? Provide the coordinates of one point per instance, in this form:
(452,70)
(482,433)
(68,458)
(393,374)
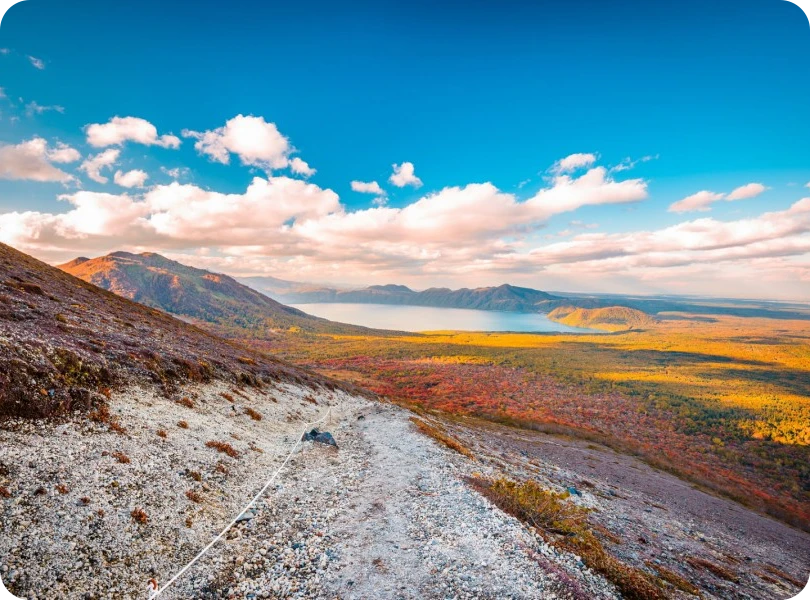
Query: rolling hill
(610,318)
(195,294)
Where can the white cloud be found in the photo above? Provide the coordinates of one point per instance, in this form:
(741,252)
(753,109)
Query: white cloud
(370,187)
(628,163)
(31,160)
(103,160)
(63,154)
(122,129)
(255,141)
(130,179)
(301,167)
(573,162)
(176,172)
(3,93)
(744,192)
(5,51)
(404,175)
(37,62)
(32,108)
(696,202)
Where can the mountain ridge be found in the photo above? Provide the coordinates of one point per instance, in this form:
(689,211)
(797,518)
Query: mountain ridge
(195,294)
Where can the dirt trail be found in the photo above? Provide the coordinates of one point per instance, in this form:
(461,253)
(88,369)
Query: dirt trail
(387,515)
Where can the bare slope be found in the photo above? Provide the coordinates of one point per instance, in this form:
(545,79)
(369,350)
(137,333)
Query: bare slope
(64,343)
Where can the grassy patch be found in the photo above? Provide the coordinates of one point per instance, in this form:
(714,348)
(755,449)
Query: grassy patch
(702,564)
(441,436)
(565,525)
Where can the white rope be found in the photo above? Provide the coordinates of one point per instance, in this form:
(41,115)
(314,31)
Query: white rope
(153,584)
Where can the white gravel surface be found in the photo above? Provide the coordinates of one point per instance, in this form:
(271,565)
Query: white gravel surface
(385,515)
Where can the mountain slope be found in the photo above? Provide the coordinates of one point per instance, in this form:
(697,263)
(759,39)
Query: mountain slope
(65,342)
(504,297)
(196,294)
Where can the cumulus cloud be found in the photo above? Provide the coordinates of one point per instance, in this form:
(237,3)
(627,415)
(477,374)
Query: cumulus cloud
(744,192)
(103,160)
(32,160)
(703,200)
(282,218)
(128,129)
(288,226)
(37,63)
(404,175)
(301,167)
(368,187)
(32,108)
(573,162)
(131,179)
(63,153)
(696,202)
(255,141)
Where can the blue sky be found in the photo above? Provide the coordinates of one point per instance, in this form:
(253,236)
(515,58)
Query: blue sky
(712,94)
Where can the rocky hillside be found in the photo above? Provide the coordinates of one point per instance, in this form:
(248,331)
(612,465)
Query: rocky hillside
(611,318)
(195,294)
(65,344)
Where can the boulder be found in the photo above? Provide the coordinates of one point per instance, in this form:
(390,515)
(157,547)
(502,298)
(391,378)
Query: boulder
(322,437)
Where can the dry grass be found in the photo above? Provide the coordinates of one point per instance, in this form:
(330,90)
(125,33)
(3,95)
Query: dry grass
(702,564)
(227,397)
(674,579)
(84,500)
(779,573)
(564,525)
(139,516)
(223,447)
(194,496)
(255,415)
(186,401)
(195,475)
(4,492)
(121,457)
(438,434)
(62,488)
(182,424)
(162,433)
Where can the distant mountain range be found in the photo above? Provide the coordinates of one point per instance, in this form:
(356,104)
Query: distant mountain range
(503,297)
(195,294)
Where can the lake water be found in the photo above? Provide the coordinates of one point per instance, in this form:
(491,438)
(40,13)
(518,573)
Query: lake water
(423,318)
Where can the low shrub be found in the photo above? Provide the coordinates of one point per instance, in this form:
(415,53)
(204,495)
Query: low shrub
(139,516)
(564,525)
(441,436)
(255,415)
(223,447)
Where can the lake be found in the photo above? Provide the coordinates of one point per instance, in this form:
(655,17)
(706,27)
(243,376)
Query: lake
(425,318)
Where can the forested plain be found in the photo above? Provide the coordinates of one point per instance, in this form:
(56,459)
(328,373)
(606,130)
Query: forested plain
(720,400)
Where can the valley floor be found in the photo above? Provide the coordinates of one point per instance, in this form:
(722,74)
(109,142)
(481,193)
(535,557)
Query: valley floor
(386,515)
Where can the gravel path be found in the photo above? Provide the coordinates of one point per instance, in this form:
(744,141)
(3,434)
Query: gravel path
(387,515)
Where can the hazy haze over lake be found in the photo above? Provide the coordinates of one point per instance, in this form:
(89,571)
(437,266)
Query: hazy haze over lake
(425,318)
